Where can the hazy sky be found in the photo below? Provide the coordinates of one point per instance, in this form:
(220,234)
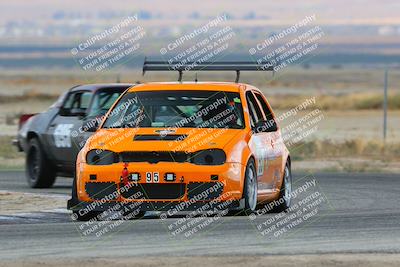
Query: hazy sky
(282,11)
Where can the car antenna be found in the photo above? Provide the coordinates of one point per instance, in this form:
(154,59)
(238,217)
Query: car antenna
(118,78)
(195,79)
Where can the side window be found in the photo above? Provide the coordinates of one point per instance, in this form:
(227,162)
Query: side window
(266,109)
(76,104)
(254,109)
(78,100)
(85,100)
(102,102)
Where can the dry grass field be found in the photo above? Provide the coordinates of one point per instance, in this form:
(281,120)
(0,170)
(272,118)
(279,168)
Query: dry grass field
(349,137)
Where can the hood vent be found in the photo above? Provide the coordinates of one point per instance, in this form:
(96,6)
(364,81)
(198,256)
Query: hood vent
(157,137)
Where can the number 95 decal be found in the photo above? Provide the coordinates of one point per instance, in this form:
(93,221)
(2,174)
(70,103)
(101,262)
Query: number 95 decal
(152,177)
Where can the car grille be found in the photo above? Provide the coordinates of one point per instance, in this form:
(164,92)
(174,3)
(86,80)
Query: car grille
(155,191)
(154,156)
(205,191)
(102,191)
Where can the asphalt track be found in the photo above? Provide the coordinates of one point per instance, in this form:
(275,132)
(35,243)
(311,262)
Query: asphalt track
(360,214)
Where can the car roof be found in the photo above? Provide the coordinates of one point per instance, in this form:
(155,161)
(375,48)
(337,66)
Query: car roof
(206,86)
(97,86)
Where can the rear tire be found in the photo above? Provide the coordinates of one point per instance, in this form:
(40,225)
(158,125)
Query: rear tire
(39,172)
(286,190)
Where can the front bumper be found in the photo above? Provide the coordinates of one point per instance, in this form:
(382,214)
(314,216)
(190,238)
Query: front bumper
(94,182)
(15,142)
(172,207)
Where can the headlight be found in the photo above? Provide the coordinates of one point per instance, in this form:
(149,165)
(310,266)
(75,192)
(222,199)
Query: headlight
(209,157)
(101,157)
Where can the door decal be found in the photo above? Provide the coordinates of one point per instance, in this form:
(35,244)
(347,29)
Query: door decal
(260,169)
(62,135)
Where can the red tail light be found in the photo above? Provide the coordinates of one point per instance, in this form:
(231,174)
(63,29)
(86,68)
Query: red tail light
(23,118)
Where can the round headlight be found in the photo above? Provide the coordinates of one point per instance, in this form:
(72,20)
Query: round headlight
(101,157)
(209,157)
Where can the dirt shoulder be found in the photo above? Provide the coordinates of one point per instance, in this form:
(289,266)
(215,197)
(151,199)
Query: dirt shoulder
(326,260)
(17,202)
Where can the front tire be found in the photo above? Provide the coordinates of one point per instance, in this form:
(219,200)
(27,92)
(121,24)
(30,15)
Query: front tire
(87,216)
(76,216)
(39,173)
(132,214)
(250,189)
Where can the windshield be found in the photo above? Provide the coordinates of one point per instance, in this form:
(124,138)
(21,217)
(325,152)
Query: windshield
(102,101)
(187,109)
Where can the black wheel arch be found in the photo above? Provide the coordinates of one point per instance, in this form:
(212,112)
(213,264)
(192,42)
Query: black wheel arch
(32,134)
(251,157)
(47,153)
(289,161)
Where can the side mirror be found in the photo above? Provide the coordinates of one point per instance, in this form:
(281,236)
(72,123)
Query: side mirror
(266,126)
(64,112)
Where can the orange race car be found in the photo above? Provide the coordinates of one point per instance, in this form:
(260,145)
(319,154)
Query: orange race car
(184,146)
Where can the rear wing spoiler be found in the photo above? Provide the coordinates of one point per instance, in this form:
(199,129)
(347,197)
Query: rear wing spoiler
(239,66)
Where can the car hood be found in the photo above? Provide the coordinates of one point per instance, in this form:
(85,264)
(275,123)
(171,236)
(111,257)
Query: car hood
(161,139)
